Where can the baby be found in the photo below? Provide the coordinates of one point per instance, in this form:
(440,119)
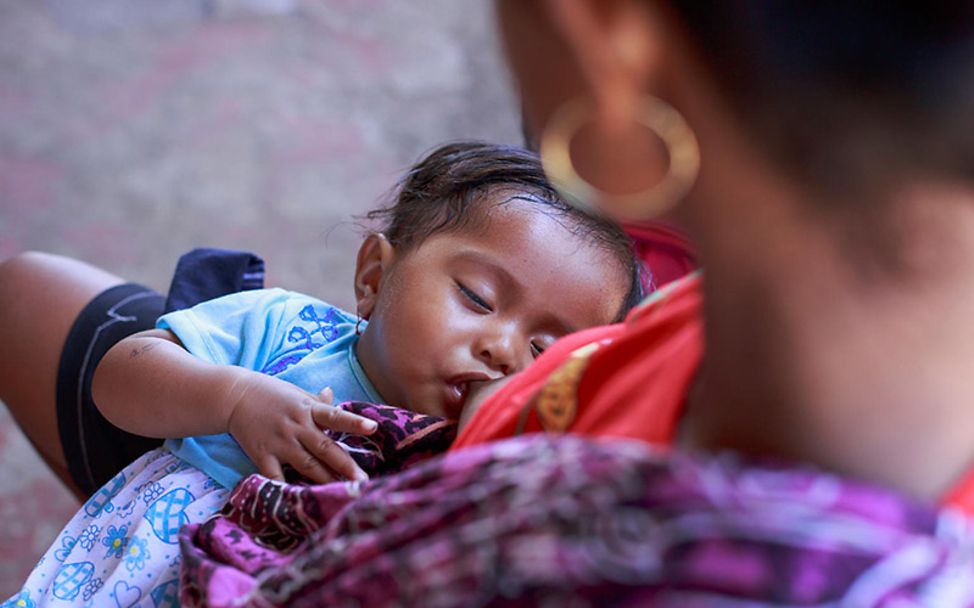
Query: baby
(478,268)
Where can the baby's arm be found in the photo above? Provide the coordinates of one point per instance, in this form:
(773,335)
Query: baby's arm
(150,385)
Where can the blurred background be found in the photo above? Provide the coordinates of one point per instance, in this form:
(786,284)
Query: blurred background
(132,131)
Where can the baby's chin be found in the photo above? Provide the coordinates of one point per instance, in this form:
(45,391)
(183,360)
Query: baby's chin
(428,404)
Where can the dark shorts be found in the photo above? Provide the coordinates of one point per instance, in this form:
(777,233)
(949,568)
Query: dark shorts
(95,449)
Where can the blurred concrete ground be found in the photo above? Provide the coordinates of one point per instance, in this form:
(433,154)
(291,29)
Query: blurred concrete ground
(134,130)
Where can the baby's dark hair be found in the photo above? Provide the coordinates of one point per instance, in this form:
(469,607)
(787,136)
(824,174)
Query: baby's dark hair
(439,193)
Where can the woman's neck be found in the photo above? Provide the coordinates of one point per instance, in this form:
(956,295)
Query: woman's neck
(815,355)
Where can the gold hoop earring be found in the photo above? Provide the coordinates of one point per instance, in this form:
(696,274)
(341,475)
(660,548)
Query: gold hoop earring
(655,114)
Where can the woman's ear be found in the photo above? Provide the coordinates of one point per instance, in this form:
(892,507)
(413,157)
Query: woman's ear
(615,45)
(615,48)
(375,257)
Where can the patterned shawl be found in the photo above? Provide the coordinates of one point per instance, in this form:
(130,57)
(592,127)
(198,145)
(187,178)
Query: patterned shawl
(564,521)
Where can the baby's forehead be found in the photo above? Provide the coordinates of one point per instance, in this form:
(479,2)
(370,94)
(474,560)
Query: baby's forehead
(512,221)
(510,203)
(515,227)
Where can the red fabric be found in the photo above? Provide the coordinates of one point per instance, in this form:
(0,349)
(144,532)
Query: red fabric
(666,251)
(634,386)
(961,495)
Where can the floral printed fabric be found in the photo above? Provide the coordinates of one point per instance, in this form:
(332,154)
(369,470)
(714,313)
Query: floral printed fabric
(120,549)
(538,520)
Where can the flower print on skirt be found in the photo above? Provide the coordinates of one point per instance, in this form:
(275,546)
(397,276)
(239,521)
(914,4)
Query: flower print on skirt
(121,548)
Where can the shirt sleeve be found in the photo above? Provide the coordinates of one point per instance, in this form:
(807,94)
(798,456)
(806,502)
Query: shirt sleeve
(243,329)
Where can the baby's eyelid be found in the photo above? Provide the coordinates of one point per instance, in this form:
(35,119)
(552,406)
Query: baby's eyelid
(538,347)
(475,297)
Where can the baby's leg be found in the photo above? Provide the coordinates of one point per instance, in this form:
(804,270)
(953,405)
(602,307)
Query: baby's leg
(40,297)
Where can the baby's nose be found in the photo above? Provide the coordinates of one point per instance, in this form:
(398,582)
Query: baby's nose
(500,353)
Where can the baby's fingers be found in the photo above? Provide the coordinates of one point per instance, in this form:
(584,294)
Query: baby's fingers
(330,417)
(324,451)
(270,468)
(308,465)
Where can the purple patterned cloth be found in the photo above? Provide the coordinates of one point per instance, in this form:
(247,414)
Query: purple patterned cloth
(402,439)
(538,520)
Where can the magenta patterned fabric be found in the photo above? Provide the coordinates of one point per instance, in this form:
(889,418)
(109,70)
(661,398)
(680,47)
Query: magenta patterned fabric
(402,439)
(564,521)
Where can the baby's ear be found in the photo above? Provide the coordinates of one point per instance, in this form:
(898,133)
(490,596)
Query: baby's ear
(375,257)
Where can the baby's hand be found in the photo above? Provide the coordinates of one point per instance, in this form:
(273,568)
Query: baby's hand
(277,423)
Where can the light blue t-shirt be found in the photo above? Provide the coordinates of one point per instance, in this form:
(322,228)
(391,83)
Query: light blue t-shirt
(280,333)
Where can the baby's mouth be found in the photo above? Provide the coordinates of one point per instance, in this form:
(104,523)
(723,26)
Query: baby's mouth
(456,398)
(458,389)
(460,392)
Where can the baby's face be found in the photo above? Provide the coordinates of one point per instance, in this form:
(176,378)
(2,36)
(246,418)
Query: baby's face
(482,302)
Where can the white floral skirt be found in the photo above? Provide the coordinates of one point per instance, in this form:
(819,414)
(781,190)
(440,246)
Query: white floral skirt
(121,548)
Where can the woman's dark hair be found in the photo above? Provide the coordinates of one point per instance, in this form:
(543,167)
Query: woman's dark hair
(848,95)
(443,192)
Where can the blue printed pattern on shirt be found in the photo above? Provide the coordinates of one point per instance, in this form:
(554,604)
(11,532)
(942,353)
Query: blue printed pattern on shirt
(303,338)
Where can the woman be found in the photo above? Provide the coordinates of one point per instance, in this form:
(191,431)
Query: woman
(833,212)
